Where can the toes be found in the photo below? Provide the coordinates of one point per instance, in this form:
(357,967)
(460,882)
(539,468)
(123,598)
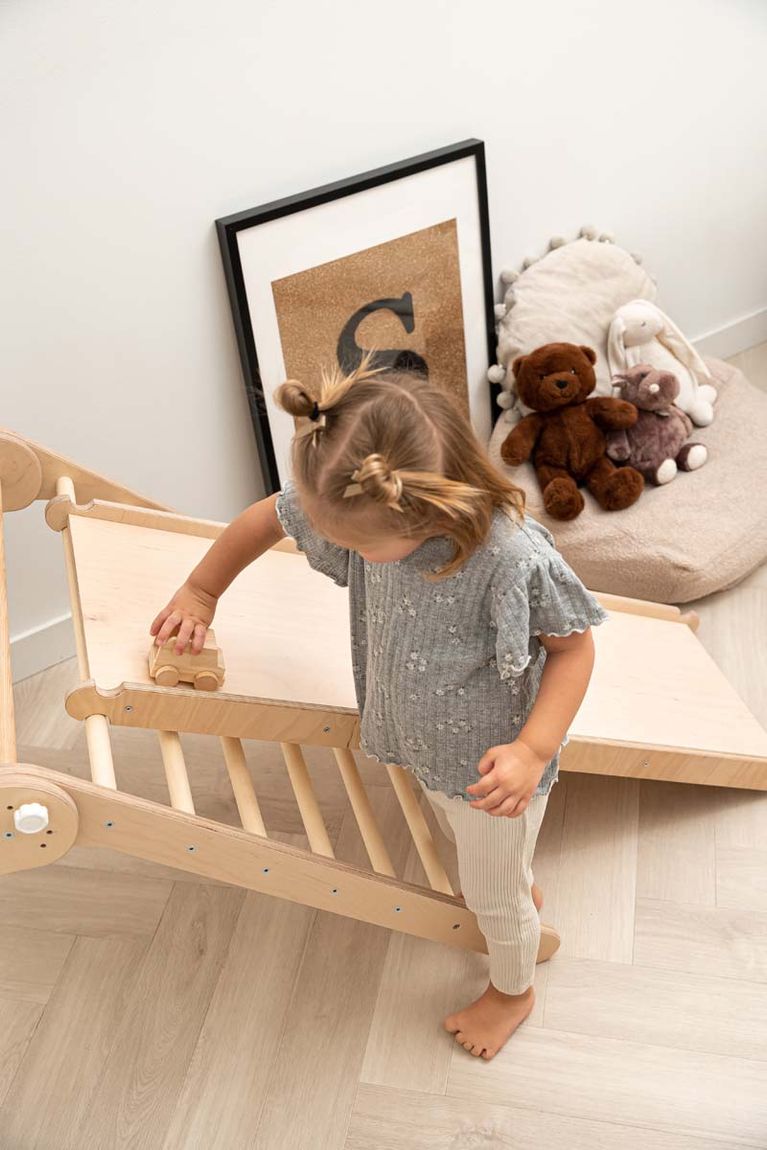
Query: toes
(488,1054)
(469,1045)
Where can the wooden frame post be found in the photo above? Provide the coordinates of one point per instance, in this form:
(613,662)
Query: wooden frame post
(7,714)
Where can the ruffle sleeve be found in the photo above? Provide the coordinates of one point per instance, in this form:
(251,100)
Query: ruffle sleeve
(544,596)
(323,556)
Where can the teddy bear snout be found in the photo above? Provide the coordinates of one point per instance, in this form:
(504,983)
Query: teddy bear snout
(654,388)
(561,383)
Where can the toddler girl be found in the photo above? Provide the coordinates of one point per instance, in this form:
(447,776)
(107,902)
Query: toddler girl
(471,646)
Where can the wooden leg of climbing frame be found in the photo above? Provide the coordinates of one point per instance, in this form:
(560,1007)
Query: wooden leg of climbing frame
(419,829)
(175,772)
(96,726)
(7,721)
(363,812)
(242,785)
(307,801)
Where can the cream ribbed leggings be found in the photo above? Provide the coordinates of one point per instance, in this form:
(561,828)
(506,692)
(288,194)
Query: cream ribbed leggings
(495,868)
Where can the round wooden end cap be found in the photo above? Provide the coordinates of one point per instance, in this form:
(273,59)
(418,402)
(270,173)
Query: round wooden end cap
(21,475)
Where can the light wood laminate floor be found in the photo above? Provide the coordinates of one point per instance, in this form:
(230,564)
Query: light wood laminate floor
(144,1008)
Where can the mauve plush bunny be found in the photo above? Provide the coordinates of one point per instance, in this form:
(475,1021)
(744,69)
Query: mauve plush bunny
(641,333)
(656,444)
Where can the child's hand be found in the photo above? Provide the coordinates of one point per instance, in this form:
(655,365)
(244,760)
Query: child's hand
(190,612)
(510,774)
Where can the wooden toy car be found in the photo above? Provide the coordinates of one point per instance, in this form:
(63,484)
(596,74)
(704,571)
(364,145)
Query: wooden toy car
(204,671)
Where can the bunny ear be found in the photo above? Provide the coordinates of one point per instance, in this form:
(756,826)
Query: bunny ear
(671,337)
(616,352)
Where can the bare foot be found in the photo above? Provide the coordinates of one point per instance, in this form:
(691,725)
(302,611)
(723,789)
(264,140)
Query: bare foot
(535,891)
(485,1026)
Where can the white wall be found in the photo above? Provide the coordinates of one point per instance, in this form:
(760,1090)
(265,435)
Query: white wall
(126,128)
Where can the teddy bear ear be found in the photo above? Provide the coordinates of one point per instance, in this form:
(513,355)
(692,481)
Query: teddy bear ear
(517,364)
(589,352)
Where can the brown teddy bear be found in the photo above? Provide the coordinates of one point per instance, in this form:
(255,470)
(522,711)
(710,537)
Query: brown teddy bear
(564,434)
(657,443)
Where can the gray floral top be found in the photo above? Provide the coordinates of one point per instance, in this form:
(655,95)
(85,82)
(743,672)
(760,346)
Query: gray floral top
(444,670)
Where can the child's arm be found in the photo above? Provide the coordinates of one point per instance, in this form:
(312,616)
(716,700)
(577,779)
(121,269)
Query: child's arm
(191,610)
(512,771)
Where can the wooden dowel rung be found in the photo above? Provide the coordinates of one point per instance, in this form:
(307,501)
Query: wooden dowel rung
(638,606)
(175,772)
(242,785)
(65,486)
(363,813)
(100,751)
(307,801)
(419,829)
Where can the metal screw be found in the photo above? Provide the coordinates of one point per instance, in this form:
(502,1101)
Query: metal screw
(108,824)
(456,925)
(191,850)
(127,708)
(326,730)
(265,870)
(8,835)
(334,890)
(398,909)
(645,764)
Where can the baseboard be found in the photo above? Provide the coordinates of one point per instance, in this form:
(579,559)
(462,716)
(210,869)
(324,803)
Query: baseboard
(36,650)
(732,338)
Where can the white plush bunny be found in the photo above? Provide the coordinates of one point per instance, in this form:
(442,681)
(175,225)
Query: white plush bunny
(641,333)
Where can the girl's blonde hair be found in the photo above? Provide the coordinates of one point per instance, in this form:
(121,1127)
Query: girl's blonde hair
(407,452)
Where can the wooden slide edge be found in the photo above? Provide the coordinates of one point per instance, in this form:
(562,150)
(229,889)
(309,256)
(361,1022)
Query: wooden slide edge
(150,707)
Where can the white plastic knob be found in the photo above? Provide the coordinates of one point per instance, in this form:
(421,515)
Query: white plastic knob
(30,818)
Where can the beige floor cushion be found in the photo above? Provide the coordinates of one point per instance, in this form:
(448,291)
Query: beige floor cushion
(701,533)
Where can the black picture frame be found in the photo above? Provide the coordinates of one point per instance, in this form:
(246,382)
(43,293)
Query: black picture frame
(229,227)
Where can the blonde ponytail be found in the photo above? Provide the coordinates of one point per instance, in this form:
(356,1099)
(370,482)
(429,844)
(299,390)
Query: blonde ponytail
(402,446)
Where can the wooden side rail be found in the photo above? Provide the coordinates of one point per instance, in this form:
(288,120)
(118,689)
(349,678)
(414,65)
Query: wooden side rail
(41,470)
(142,829)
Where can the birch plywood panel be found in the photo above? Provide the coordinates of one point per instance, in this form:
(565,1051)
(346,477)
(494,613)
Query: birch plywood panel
(655,685)
(283,628)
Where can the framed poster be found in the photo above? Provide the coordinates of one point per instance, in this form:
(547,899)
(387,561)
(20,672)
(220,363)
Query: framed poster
(394,261)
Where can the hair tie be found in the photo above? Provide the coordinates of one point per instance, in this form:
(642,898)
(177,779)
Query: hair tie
(354,488)
(316,421)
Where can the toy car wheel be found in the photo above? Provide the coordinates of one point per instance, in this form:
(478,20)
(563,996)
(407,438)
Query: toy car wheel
(167,677)
(206,681)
